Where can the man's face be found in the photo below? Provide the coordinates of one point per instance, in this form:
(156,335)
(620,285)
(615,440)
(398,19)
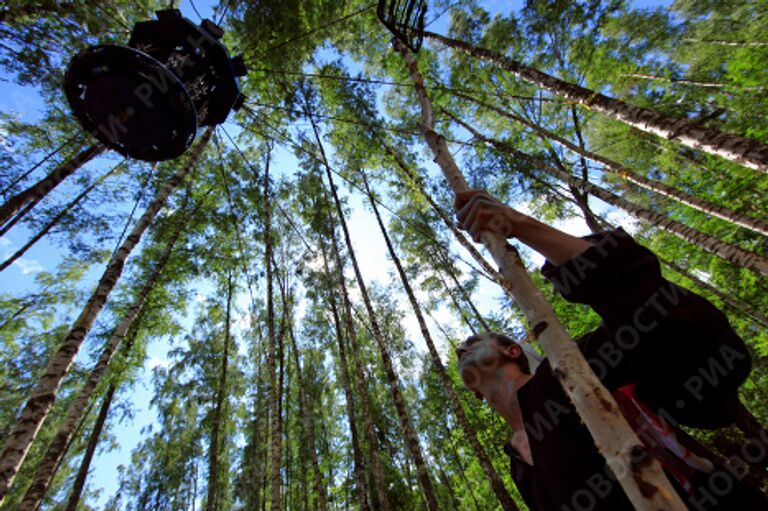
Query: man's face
(481,361)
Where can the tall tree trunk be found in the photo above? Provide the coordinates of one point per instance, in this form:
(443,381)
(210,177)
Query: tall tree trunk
(275,426)
(37,191)
(646,486)
(309,424)
(496,483)
(90,450)
(373,443)
(57,448)
(57,218)
(212,499)
(361,486)
(44,393)
(412,440)
(758,226)
(417,183)
(720,42)
(741,150)
(681,81)
(726,251)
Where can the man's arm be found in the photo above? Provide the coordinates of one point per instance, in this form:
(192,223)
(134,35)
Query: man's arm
(478,211)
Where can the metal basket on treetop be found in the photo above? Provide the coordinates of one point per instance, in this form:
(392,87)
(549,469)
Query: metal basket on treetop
(146,100)
(405,19)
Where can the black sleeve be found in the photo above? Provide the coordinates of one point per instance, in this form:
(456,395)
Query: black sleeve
(676,346)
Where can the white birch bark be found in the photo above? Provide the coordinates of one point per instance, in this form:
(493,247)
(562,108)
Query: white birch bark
(645,484)
(742,220)
(37,191)
(727,251)
(57,448)
(740,150)
(44,394)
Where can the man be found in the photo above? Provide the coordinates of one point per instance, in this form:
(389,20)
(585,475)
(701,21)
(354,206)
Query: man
(669,357)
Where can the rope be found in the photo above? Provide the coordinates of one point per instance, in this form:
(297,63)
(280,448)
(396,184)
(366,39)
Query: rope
(317,29)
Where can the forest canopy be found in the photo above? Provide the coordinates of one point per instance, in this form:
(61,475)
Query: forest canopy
(270,319)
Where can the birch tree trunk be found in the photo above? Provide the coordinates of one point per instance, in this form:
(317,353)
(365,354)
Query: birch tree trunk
(275,426)
(646,485)
(746,221)
(411,439)
(373,443)
(725,251)
(93,440)
(493,478)
(211,500)
(37,191)
(44,394)
(741,150)
(57,448)
(56,219)
(309,424)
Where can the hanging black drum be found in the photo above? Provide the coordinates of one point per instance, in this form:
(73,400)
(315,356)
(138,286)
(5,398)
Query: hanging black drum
(146,100)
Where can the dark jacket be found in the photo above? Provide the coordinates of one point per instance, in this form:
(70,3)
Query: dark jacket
(684,359)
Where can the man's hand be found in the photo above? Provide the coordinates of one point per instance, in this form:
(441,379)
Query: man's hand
(479,211)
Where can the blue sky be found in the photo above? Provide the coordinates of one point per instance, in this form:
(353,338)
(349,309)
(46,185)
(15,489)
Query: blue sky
(26,103)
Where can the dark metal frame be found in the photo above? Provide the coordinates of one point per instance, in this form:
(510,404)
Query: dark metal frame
(405,19)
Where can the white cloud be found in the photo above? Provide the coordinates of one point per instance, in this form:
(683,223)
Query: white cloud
(28,266)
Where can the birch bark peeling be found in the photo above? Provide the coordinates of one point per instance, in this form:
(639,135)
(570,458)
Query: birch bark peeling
(44,394)
(740,150)
(645,484)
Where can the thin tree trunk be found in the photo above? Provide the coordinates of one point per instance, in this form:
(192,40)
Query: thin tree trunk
(741,150)
(361,485)
(646,486)
(44,394)
(412,440)
(36,192)
(90,450)
(729,300)
(618,169)
(275,425)
(56,219)
(373,443)
(493,478)
(211,501)
(682,81)
(57,448)
(726,251)
(418,184)
(720,42)
(309,424)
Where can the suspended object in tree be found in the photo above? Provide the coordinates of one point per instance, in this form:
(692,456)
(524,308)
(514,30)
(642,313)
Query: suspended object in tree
(405,19)
(146,100)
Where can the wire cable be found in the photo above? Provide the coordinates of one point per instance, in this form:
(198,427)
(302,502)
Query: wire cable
(37,165)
